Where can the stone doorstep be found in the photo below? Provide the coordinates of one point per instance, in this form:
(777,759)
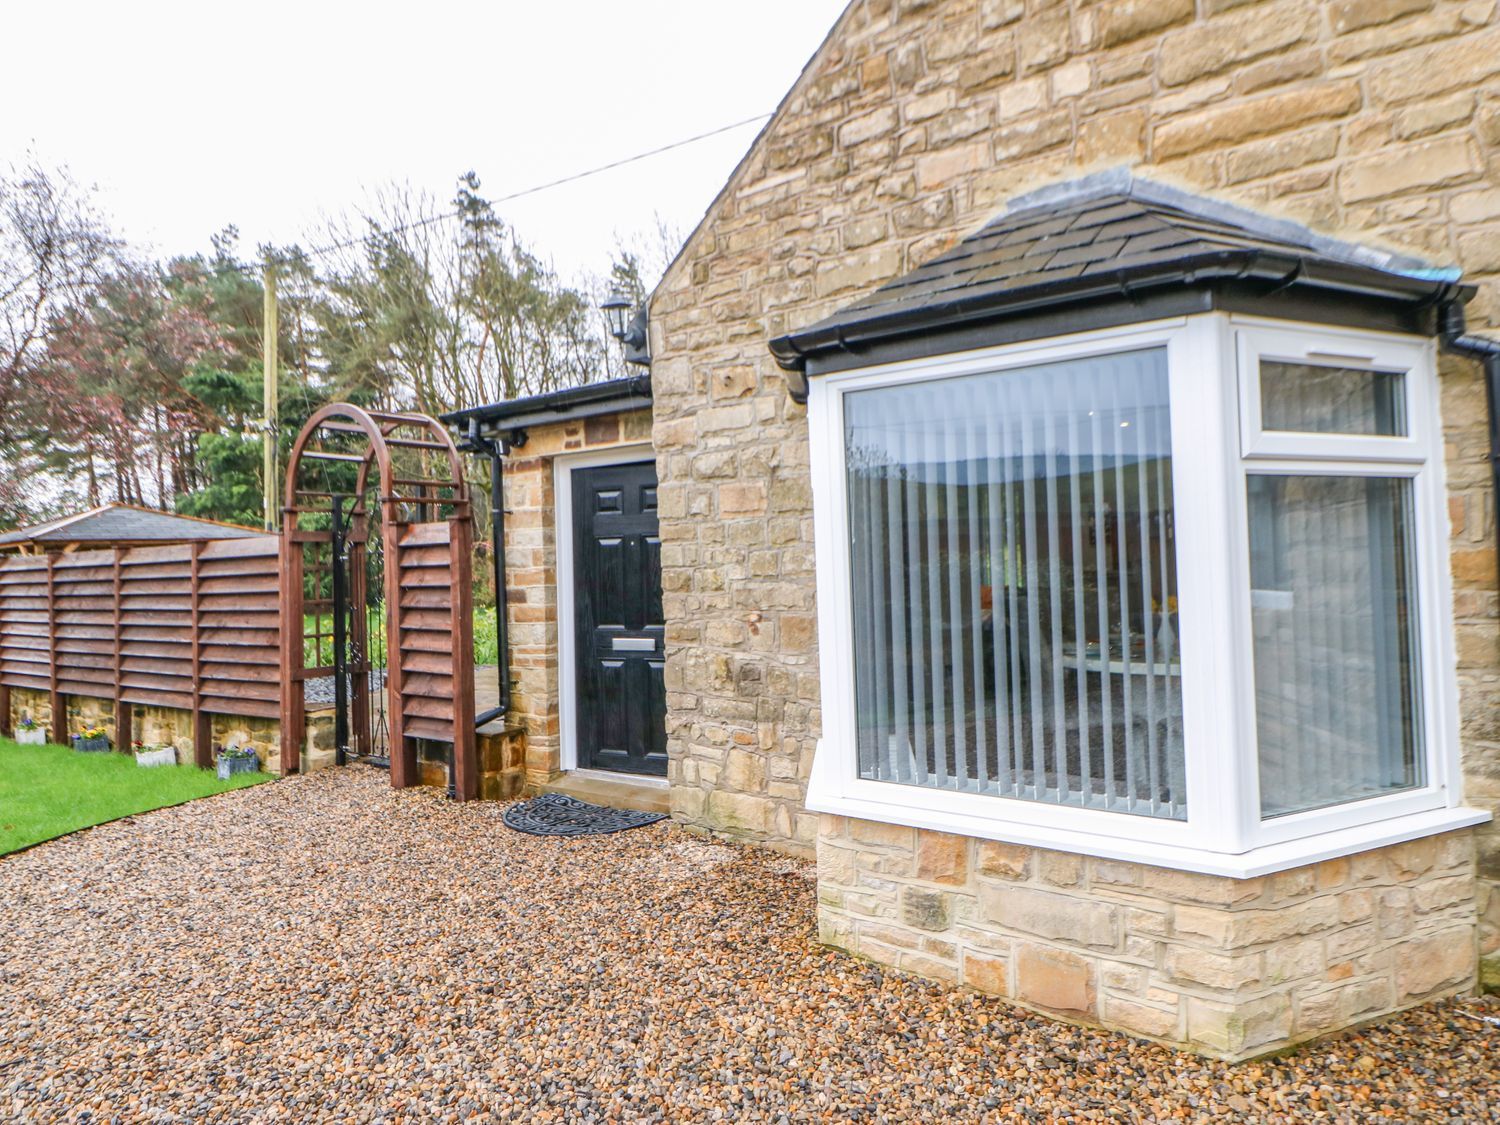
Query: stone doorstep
(619,791)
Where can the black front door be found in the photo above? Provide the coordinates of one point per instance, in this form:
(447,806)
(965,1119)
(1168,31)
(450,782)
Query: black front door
(618,620)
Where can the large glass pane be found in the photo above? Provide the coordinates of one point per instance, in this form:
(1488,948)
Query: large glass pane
(1333,604)
(1313,399)
(1014,584)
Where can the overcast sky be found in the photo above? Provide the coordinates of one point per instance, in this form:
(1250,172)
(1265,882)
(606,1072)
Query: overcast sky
(273,116)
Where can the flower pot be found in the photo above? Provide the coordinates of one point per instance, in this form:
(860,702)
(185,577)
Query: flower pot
(229,766)
(98,745)
(36,736)
(156,756)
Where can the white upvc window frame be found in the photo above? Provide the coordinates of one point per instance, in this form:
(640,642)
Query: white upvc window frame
(1418,457)
(1213,451)
(1319,346)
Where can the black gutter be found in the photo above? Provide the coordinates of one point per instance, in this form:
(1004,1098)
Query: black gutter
(1454,338)
(514,429)
(556,406)
(1278,270)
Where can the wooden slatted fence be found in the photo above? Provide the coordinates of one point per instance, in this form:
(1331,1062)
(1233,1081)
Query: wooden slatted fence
(430,630)
(193,626)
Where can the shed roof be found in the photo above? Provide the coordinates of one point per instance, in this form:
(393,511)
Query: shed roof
(1115,237)
(124,523)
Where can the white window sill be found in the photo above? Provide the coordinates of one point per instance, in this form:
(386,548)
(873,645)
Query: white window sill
(1246,865)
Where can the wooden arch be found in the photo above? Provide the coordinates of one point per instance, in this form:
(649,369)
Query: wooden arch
(427,534)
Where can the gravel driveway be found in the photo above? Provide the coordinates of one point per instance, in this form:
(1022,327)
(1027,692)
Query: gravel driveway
(324,949)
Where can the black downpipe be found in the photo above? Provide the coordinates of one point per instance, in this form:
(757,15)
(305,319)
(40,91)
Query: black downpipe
(497,553)
(495,451)
(1455,339)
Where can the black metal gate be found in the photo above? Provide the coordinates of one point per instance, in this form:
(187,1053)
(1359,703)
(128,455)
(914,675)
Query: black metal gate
(357,573)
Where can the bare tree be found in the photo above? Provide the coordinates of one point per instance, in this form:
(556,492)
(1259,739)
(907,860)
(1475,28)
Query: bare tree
(55,251)
(444,312)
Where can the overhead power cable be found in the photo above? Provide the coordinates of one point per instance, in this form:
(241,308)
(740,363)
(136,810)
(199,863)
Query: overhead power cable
(550,184)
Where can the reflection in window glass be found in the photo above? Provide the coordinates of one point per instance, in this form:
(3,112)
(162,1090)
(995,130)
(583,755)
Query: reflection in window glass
(1014,585)
(1333,605)
(1308,398)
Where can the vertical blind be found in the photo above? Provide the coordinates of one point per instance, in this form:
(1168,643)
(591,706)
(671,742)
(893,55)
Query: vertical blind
(1334,614)
(1014,584)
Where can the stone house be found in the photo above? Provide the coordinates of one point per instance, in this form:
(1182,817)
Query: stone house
(1066,510)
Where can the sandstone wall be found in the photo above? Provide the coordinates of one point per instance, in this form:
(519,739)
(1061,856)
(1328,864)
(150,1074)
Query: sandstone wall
(1375,120)
(264,737)
(501,755)
(531,583)
(87,711)
(25,702)
(1230,967)
(173,726)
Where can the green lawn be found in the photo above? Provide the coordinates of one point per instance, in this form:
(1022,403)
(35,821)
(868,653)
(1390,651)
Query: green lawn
(48,791)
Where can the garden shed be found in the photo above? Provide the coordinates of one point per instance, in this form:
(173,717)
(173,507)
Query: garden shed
(69,590)
(117,525)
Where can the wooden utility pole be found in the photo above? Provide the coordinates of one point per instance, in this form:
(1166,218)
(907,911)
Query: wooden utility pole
(268,426)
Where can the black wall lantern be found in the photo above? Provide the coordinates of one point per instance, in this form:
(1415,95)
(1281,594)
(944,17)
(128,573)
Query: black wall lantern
(617,308)
(628,325)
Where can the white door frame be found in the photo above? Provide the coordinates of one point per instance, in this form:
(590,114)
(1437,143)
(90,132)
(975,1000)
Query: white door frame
(567,656)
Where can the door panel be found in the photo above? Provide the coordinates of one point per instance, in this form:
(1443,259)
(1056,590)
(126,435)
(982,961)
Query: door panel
(618,623)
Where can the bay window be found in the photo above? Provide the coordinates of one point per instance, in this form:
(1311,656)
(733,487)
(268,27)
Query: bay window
(1014,584)
(1175,593)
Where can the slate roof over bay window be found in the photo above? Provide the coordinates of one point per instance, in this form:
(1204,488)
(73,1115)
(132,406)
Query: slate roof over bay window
(1124,249)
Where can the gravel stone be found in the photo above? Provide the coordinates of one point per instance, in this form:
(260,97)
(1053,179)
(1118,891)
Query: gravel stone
(326,949)
(319,691)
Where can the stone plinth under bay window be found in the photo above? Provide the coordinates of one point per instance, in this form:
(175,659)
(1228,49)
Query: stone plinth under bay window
(1135,622)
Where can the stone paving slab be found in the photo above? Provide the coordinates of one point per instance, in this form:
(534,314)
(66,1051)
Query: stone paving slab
(326,949)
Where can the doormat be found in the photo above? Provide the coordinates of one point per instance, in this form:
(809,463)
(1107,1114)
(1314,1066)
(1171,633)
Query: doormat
(553,814)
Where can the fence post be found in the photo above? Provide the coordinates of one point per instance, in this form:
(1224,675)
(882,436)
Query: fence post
(202,740)
(124,734)
(59,715)
(460,605)
(5,723)
(403,757)
(293,713)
